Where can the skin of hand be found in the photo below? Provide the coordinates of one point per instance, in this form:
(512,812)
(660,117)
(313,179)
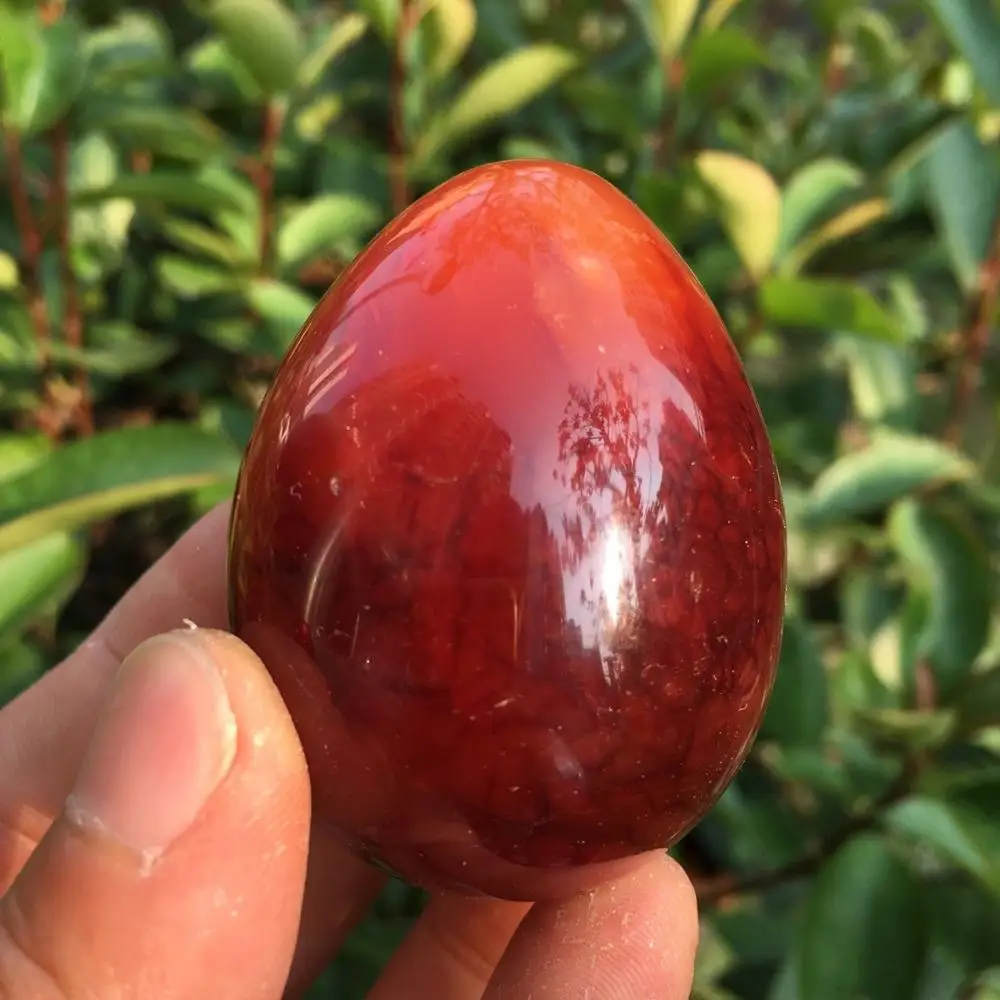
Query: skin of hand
(156,840)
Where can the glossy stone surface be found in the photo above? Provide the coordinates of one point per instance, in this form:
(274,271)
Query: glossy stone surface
(509,537)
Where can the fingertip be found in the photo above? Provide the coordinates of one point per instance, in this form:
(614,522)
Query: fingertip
(632,938)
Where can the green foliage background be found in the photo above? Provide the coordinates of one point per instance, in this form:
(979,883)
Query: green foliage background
(179,183)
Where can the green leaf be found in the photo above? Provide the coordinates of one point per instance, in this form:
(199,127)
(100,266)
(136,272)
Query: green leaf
(192,279)
(342,34)
(205,241)
(889,468)
(947,562)
(849,222)
(98,477)
(883,382)
(956,831)
(751,205)
(135,46)
(264,36)
(716,12)
(320,225)
(9,277)
(974,28)
(909,730)
(827,304)
(384,16)
(113,349)
(38,577)
(811,194)
(283,308)
(797,711)
(178,133)
(718,59)
(41,68)
(864,932)
(18,452)
(503,87)
(21,664)
(163,189)
(671,22)
(449,27)
(963,189)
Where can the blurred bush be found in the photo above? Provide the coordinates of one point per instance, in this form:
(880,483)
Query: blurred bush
(180,182)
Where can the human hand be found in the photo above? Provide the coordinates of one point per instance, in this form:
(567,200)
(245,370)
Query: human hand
(156,840)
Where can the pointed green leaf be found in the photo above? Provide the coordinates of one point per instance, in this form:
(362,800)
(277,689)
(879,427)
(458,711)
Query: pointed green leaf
(716,13)
(947,562)
(194,279)
(180,133)
(751,204)
(135,46)
(864,932)
(163,189)
(720,58)
(320,225)
(98,477)
(38,577)
(855,219)
(505,86)
(974,28)
(956,831)
(811,194)
(883,380)
(449,27)
(888,469)
(671,21)
(41,68)
(341,35)
(264,36)
(283,308)
(826,304)
(963,189)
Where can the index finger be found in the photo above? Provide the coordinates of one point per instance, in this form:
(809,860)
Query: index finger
(631,939)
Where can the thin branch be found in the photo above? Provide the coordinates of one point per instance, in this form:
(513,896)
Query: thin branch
(398,140)
(974,339)
(30,235)
(274,119)
(72,314)
(716,888)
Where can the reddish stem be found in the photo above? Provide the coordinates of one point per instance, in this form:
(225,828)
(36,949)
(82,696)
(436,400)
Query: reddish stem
(714,889)
(72,314)
(974,339)
(274,118)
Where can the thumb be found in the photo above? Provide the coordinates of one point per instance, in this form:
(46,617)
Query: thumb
(177,866)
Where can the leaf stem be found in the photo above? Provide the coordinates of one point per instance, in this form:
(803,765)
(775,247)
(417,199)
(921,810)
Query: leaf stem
(974,339)
(72,313)
(714,889)
(274,120)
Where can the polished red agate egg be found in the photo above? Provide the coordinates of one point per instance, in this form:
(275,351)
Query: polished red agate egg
(509,536)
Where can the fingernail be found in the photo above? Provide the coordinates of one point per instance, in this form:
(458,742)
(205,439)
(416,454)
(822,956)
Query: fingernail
(165,740)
